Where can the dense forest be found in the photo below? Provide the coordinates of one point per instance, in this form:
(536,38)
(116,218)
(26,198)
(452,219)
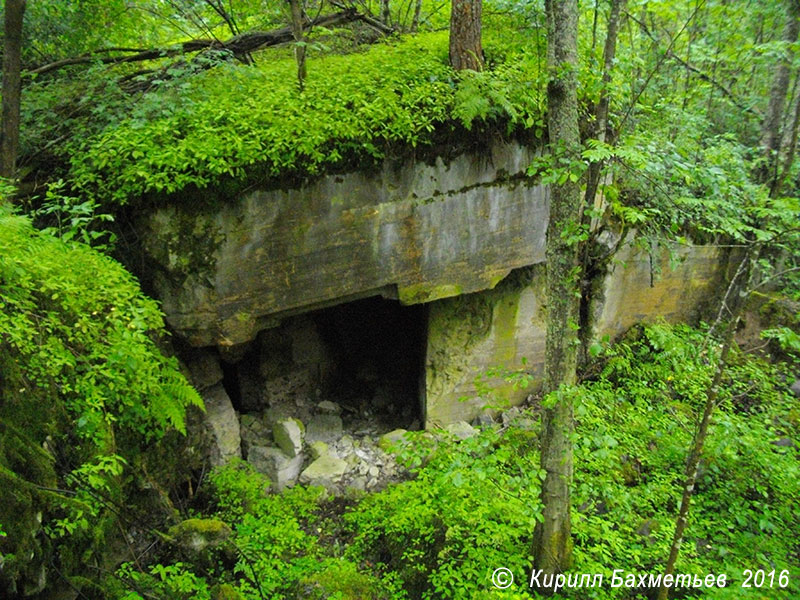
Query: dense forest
(147,452)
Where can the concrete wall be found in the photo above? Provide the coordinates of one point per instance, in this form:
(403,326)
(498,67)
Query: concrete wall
(413,231)
(444,233)
(476,333)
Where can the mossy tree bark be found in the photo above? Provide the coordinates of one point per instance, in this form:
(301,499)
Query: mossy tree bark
(299,40)
(772,131)
(552,540)
(466,51)
(415,20)
(386,13)
(601,112)
(12,86)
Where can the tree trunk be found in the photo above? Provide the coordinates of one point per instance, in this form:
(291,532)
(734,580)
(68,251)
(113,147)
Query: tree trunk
(733,302)
(771,132)
(694,458)
(415,20)
(12,87)
(552,541)
(299,40)
(386,14)
(601,113)
(791,145)
(466,51)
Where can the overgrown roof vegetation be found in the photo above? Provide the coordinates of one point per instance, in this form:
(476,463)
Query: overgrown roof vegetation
(199,127)
(242,121)
(236,120)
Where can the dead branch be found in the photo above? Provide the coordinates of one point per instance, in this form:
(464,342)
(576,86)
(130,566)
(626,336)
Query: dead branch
(240,45)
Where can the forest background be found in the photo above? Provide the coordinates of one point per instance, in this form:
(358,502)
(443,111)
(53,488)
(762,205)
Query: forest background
(676,120)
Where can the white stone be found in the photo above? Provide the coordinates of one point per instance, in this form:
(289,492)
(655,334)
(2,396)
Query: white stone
(272,462)
(324,471)
(288,434)
(391,439)
(462,430)
(223,424)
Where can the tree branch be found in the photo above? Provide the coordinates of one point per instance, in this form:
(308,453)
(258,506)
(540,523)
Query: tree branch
(239,45)
(690,67)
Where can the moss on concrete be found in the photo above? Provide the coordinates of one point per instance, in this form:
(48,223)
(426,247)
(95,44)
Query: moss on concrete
(425,292)
(456,326)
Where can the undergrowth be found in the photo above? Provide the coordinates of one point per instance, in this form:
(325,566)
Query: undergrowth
(472,504)
(243,123)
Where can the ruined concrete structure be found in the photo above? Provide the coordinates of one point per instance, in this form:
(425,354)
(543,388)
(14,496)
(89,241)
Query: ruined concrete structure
(463,238)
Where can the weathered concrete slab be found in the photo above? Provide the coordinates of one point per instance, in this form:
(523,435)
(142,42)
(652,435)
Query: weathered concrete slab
(442,233)
(412,231)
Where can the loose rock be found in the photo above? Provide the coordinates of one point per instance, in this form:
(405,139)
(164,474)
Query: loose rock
(462,430)
(272,462)
(288,434)
(324,471)
(324,428)
(317,449)
(254,432)
(329,408)
(388,440)
(223,425)
(199,534)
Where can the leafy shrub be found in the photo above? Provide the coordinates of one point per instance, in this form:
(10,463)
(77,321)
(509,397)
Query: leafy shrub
(83,387)
(471,509)
(634,431)
(474,504)
(271,531)
(236,122)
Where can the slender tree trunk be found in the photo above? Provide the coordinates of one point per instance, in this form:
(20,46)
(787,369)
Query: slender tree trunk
(601,113)
(771,136)
(12,87)
(791,146)
(466,51)
(386,14)
(694,459)
(299,39)
(552,540)
(415,20)
(733,303)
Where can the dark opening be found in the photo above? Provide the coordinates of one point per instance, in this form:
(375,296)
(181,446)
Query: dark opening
(377,348)
(230,381)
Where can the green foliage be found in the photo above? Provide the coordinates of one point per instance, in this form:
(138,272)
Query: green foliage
(473,504)
(84,384)
(341,580)
(635,426)
(470,509)
(171,582)
(81,328)
(73,219)
(199,129)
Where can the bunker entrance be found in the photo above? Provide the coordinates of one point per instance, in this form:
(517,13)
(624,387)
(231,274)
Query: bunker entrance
(362,360)
(377,350)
